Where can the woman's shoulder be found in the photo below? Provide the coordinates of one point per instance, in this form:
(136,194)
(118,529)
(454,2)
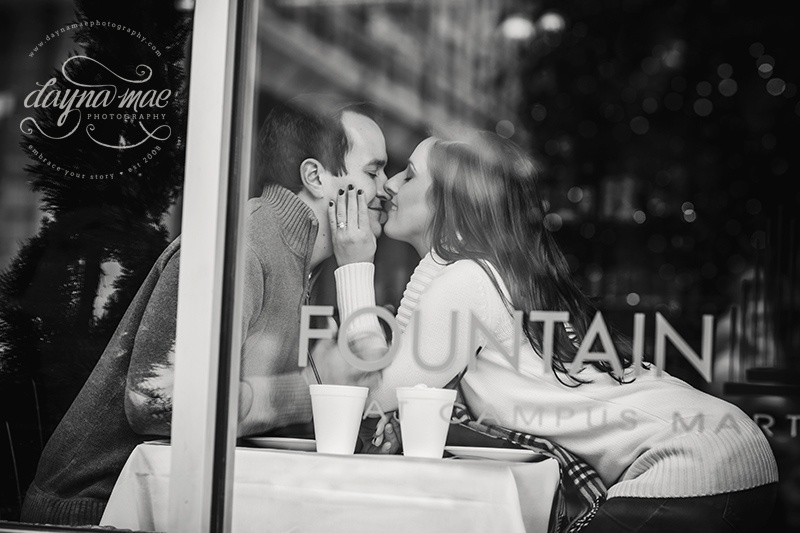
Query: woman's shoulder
(468,270)
(467,266)
(469,280)
(480,274)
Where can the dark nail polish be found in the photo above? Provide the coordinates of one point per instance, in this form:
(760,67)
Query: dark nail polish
(360,191)
(341,191)
(350,187)
(330,203)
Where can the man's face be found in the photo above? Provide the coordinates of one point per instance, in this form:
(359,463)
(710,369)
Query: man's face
(365,165)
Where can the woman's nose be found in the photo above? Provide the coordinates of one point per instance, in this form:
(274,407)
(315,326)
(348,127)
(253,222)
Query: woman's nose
(393,184)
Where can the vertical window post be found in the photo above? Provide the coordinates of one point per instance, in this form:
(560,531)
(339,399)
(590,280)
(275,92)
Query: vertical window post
(208,337)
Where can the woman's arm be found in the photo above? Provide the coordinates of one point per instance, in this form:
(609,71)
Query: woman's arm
(437,344)
(441,326)
(354,248)
(355,290)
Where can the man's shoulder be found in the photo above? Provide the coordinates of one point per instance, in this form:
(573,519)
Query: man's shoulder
(173,250)
(262,229)
(273,235)
(169,256)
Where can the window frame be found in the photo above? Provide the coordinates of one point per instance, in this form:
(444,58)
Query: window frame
(208,336)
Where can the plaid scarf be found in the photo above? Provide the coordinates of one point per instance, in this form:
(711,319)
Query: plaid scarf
(580,491)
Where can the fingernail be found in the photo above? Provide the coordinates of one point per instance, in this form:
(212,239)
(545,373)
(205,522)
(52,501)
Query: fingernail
(387,446)
(341,191)
(350,187)
(378,440)
(330,203)
(360,191)
(388,428)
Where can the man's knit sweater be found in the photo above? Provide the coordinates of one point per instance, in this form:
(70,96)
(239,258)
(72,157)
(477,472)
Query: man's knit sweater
(129,393)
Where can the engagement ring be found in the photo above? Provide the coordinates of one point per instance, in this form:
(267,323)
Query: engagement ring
(341,225)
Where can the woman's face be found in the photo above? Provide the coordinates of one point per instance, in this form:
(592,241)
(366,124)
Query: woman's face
(409,211)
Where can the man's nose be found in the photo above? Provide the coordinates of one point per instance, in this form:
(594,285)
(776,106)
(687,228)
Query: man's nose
(380,188)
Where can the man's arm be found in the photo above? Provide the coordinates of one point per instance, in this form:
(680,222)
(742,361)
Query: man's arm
(265,401)
(268,398)
(150,379)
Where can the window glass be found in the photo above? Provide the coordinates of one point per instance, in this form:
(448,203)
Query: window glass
(638,119)
(662,135)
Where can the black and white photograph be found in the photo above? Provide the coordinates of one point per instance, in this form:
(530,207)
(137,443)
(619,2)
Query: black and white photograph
(512,266)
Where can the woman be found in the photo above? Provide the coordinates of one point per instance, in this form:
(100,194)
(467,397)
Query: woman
(672,456)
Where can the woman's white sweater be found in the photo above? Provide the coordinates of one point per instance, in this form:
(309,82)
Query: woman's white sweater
(654,437)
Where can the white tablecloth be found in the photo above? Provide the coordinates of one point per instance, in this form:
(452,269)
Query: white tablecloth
(288,491)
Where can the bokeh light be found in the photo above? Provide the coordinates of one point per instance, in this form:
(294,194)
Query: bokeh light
(776,86)
(538,112)
(552,22)
(728,87)
(703,88)
(756,49)
(575,194)
(517,28)
(505,128)
(553,221)
(703,107)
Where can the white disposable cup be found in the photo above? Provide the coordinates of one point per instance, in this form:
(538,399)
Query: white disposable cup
(337,411)
(424,420)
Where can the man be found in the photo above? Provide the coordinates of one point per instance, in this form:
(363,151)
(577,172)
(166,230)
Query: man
(312,150)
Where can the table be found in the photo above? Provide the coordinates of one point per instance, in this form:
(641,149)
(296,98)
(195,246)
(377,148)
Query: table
(292,491)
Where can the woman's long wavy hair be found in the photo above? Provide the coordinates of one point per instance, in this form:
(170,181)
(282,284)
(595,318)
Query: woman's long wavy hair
(486,207)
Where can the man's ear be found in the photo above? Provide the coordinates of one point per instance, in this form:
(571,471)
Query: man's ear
(311,175)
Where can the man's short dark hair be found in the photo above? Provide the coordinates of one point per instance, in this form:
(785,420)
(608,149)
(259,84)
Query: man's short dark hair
(307,126)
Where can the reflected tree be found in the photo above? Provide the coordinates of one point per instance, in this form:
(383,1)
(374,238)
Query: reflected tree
(64,294)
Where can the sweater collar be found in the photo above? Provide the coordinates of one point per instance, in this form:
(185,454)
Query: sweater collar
(296,217)
(428,268)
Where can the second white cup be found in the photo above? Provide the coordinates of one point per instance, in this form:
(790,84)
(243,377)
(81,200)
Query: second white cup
(424,420)
(337,411)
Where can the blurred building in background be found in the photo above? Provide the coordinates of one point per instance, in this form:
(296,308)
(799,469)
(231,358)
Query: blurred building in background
(422,63)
